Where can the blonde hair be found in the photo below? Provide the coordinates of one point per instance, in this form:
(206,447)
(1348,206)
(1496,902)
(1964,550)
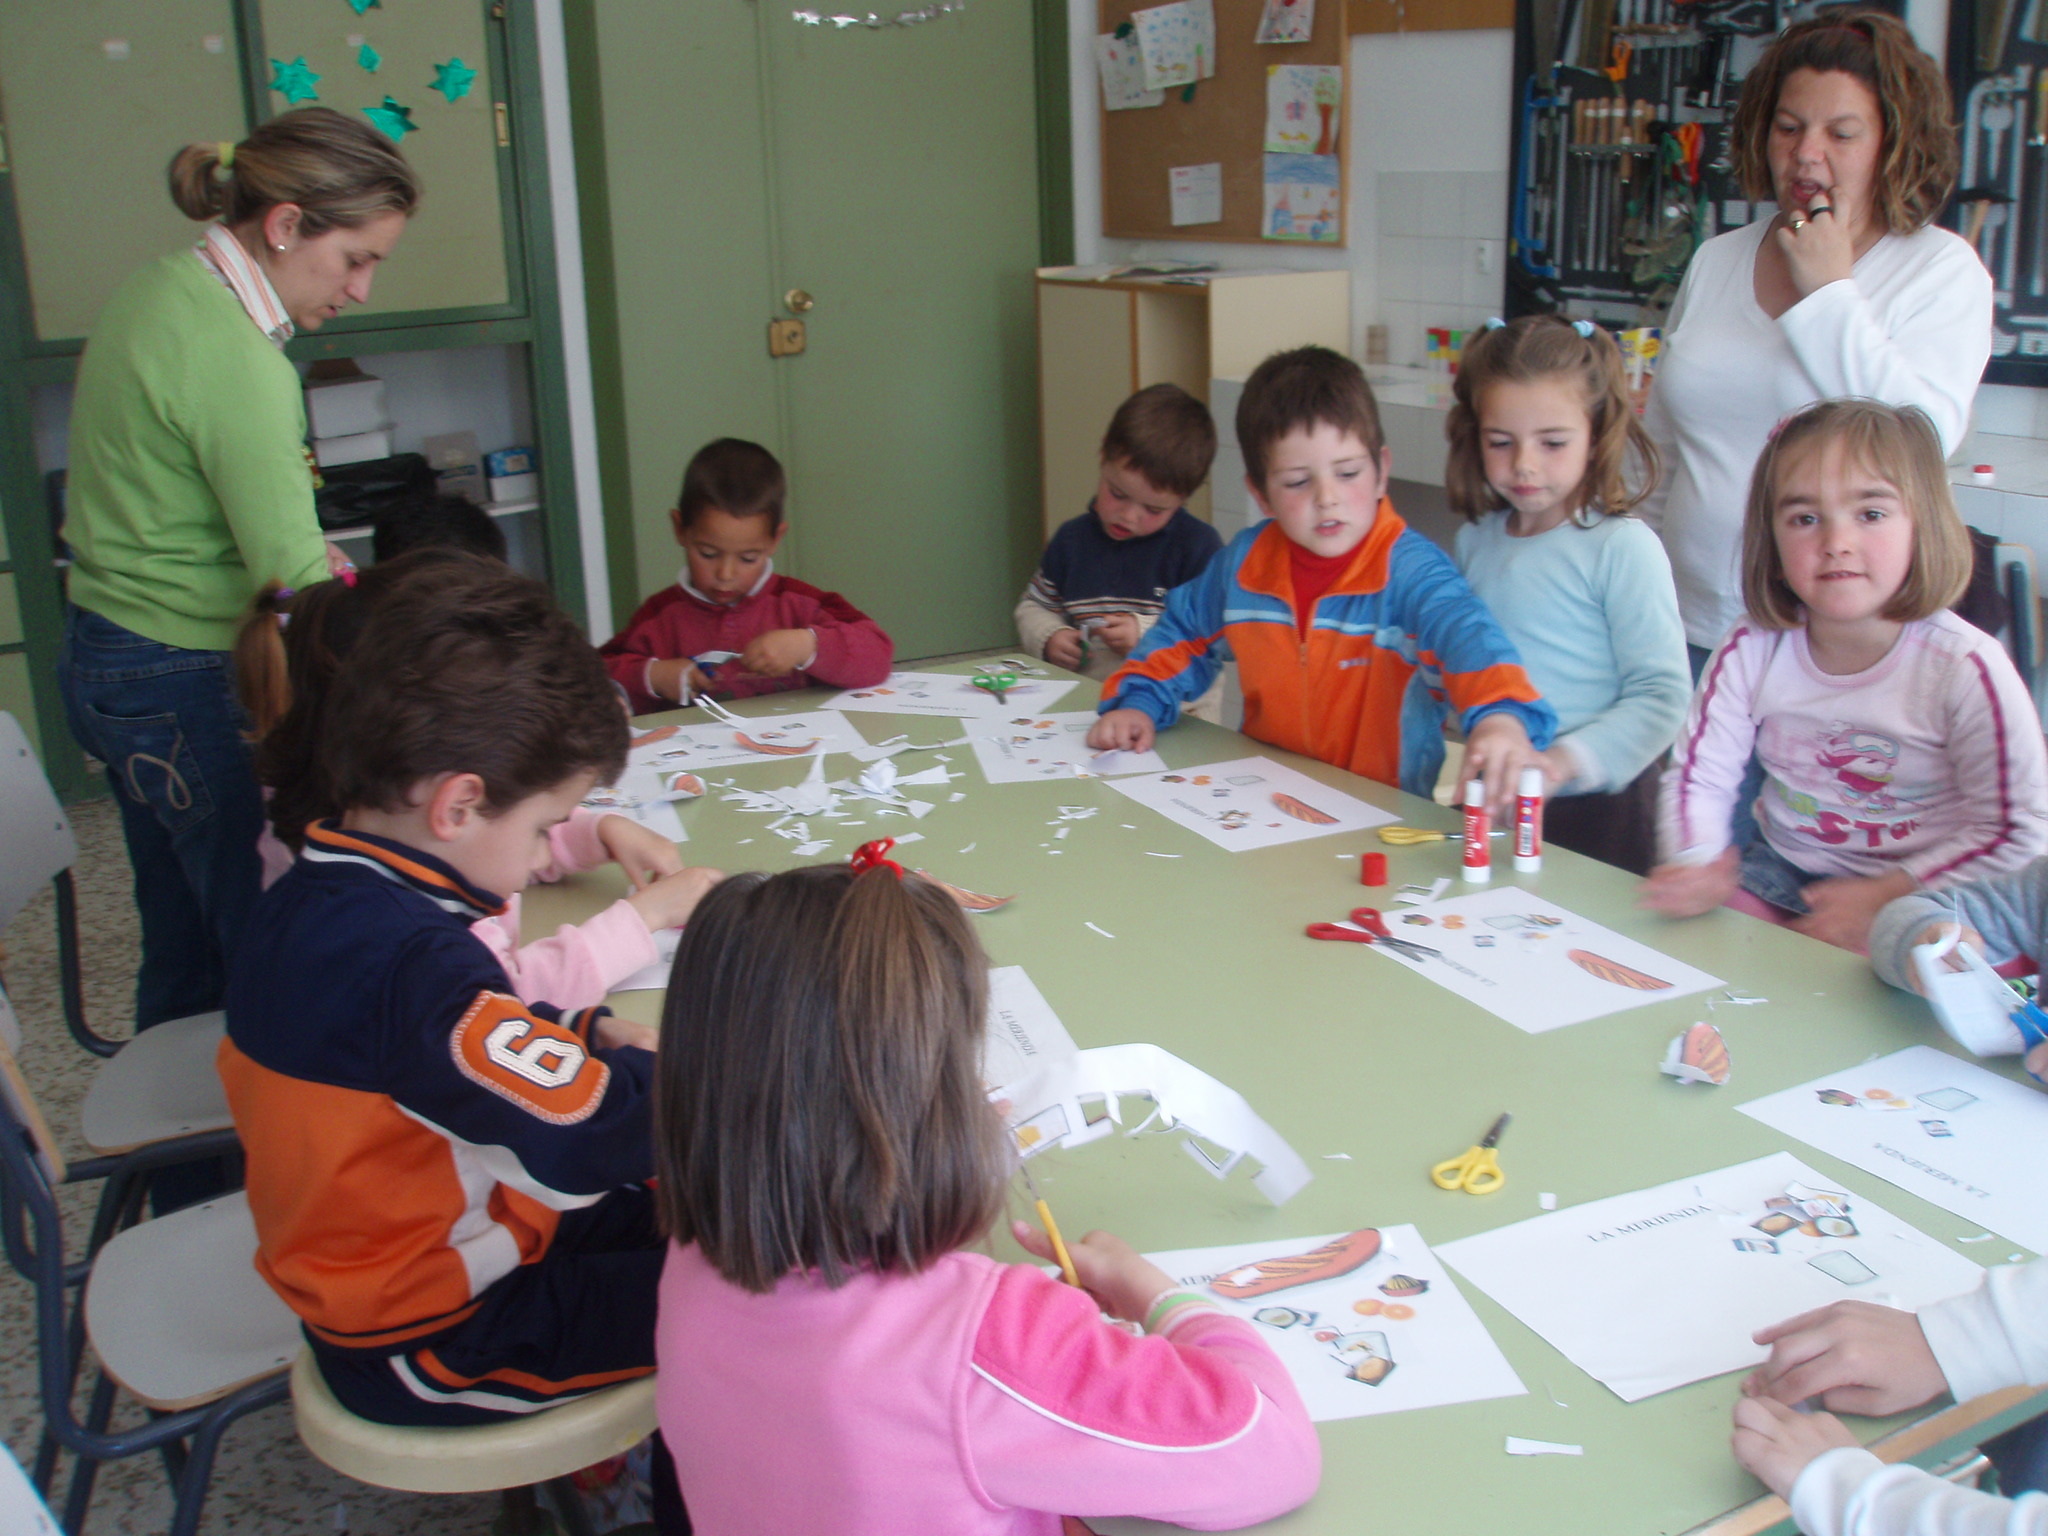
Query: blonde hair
(338,172)
(1916,168)
(1899,445)
(1621,461)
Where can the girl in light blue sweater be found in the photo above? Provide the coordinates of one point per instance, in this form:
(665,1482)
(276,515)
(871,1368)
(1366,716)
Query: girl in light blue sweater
(1546,458)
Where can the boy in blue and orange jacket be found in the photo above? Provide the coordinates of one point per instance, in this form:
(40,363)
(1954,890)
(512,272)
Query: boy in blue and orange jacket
(1355,637)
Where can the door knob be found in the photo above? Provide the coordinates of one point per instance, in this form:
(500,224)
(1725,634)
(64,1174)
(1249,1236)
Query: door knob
(798,302)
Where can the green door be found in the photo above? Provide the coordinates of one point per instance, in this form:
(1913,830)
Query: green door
(729,153)
(907,208)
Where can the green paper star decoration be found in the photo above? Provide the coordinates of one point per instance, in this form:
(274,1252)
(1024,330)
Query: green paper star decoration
(294,81)
(393,119)
(369,58)
(360,6)
(453,80)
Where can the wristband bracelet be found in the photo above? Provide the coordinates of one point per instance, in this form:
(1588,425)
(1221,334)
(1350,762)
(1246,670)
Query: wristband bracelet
(1165,1304)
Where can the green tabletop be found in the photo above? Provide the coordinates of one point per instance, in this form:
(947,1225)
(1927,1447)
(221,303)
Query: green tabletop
(1345,1051)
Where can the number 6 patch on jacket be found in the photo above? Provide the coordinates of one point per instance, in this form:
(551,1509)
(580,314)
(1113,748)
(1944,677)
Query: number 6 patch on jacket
(543,1065)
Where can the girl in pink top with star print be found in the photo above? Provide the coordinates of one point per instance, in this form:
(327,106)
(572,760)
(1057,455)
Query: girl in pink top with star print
(833,1354)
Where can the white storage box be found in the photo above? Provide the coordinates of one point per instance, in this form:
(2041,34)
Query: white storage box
(345,407)
(330,452)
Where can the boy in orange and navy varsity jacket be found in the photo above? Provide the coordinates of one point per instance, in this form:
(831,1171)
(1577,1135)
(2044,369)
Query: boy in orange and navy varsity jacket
(1355,637)
(447,1183)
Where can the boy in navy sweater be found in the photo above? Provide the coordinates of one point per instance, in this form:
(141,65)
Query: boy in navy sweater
(1104,576)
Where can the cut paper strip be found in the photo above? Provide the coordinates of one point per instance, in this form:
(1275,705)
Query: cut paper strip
(1650,1290)
(1517,1446)
(1026,748)
(1351,1349)
(1935,1125)
(950,694)
(1075,1101)
(1533,963)
(1251,802)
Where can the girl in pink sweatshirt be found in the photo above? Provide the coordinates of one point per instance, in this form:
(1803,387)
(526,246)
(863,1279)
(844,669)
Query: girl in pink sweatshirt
(1899,748)
(832,1354)
(293,646)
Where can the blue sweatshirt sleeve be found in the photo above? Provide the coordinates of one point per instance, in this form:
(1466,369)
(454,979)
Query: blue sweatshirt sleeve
(1460,642)
(1182,653)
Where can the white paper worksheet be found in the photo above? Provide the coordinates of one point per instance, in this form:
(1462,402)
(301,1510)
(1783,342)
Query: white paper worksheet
(1941,1128)
(1023,1032)
(1653,1289)
(761,739)
(950,693)
(1027,748)
(1532,963)
(1384,1330)
(646,794)
(1253,802)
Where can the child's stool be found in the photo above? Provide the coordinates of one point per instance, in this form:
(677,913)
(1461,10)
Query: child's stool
(534,1448)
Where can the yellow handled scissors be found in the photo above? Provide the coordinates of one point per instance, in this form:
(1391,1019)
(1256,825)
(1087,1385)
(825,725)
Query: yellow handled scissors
(1478,1171)
(1408,837)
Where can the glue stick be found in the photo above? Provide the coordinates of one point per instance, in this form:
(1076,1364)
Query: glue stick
(1529,822)
(1478,829)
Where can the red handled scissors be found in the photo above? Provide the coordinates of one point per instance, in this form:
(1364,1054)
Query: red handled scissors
(1371,929)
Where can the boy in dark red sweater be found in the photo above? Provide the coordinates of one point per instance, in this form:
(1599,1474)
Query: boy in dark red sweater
(731,627)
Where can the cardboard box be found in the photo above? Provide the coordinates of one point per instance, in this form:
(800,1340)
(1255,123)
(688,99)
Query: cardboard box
(352,449)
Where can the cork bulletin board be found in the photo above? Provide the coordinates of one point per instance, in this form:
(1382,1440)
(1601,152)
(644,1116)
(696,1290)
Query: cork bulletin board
(1224,124)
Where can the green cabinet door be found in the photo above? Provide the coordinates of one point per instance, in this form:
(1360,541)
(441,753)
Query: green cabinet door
(906,203)
(454,255)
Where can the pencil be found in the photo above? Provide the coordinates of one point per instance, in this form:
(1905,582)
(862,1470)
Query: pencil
(1052,1230)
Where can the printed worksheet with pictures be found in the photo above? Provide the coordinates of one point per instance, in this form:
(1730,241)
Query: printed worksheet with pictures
(1253,802)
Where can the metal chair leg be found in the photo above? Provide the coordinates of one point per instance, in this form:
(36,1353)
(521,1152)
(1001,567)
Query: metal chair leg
(87,1471)
(575,1518)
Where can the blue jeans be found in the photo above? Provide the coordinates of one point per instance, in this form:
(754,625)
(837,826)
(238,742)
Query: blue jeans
(1769,876)
(166,723)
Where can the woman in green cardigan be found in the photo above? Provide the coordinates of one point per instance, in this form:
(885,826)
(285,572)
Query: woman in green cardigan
(190,487)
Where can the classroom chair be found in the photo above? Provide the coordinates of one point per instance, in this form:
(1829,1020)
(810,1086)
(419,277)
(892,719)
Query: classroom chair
(172,1309)
(153,1088)
(516,1456)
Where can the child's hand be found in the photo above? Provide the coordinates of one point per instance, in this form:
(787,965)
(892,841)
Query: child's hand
(669,901)
(779,652)
(669,678)
(1842,909)
(643,853)
(1122,1279)
(1854,1356)
(1122,730)
(1776,1443)
(613,1032)
(1120,632)
(1497,749)
(1687,890)
(1937,933)
(1063,649)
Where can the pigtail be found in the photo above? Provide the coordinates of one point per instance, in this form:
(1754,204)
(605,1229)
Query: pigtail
(262,671)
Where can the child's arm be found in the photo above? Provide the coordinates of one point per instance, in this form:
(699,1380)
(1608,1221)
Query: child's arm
(634,652)
(1176,662)
(579,964)
(2008,912)
(1197,1423)
(1696,809)
(1648,639)
(820,638)
(1044,627)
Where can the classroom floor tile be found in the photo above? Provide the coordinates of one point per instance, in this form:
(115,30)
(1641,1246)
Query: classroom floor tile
(265,1481)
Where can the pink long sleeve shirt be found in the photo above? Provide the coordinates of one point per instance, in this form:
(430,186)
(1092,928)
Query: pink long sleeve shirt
(1931,761)
(974,1399)
(576,965)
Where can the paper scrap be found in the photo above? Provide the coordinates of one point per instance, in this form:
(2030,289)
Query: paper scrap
(1698,1056)
(1122,68)
(1546,1201)
(1078,1100)
(1649,1290)
(1534,964)
(1981,1237)
(1366,1322)
(1302,104)
(1103,931)
(1303,199)
(1195,193)
(1520,1447)
(1336,1157)
(950,694)
(1150,854)
(815,846)
(1937,1126)
(1286,21)
(1251,802)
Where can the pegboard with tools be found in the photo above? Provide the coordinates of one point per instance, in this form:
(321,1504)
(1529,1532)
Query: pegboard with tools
(1620,152)
(1998,70)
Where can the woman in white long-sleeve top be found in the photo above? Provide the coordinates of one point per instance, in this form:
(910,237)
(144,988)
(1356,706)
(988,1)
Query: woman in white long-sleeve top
(1848,289)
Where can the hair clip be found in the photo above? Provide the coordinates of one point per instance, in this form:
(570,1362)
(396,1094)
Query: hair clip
(875,855)
(1584,327)
(1493,323)
(346,575)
